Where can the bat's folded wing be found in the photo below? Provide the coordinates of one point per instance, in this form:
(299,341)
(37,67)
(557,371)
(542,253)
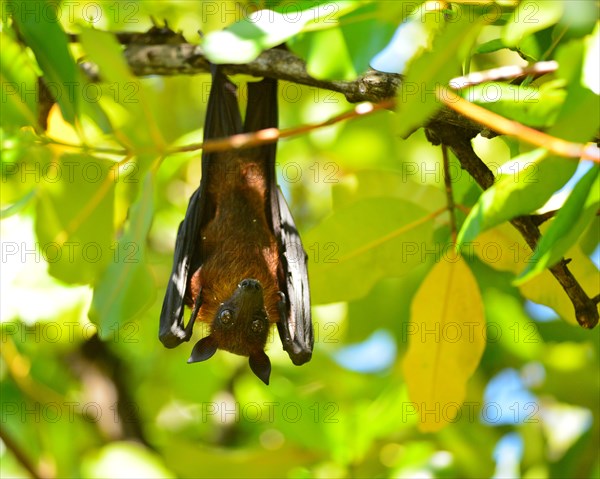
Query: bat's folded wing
(295,327)
(222,120)
(172,331)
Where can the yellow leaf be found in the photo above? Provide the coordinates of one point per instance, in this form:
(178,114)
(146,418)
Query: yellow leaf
(447,339)
(505,250)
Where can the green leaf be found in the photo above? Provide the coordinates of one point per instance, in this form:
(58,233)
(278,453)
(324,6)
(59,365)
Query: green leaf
(590,239)
(536,106)
(504,249)
(74,217)
(327,55)
(536,47)
(243,41)
(18,205)
(370,183)
(579,117)
(572,219)
(354,248)
(416,99)
(531,16)
(525,184)
(368,30)
(103,49)
(19,79)
(23,165)
(44,35)
(490,46)
(591,62)
(125,90)
(126,288)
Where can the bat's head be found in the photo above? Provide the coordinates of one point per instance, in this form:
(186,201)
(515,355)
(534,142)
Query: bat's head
(240,326)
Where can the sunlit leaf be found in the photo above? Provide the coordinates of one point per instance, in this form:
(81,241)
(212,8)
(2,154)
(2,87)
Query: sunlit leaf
(18,205)
(18,76)
(323,46)
(505,250)
(509,325)
(590,239)
(446,342)
(530,17)
(353,248)
(369,28)
(536,106)
(590,77)
(44,35)
(579,117)
(579,18)
(575,215)
(371,183)
(416,99)
(127,287)
(490,46)
(243,41)
(74,217)
(132,116)
(412,36)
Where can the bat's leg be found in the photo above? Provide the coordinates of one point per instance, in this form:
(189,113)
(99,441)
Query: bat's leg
(190,325)
(284,333)
(282,307)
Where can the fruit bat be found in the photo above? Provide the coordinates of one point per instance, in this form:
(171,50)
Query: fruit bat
(239,264)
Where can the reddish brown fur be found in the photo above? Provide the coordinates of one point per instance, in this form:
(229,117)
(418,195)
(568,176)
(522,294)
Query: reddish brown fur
(237,242)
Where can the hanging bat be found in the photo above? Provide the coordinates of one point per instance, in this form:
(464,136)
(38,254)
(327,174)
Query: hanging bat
(239,262)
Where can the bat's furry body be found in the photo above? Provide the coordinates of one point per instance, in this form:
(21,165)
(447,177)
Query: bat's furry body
(239,262)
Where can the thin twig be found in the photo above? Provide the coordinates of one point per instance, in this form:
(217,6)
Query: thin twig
(270,135)
(20,454)
(449,196)
(502,73)
(509,127)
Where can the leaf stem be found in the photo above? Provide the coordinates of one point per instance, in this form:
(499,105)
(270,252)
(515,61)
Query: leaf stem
(449,196)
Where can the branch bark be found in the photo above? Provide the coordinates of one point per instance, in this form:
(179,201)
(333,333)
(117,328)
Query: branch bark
(188,59)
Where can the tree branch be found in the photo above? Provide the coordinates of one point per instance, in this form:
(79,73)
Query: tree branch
(459,142)
(20,455)
(188,59)
(509,127)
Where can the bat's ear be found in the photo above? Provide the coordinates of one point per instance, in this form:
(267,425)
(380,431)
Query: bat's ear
(261,366)
(204,349)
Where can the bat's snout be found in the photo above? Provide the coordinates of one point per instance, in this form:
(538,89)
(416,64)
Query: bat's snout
(250,284)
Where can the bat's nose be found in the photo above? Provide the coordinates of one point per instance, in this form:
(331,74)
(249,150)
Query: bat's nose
(250,284)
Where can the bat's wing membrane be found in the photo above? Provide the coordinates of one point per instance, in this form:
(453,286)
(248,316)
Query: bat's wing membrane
(295,331)
(172,331)
(295,324)
(222,120)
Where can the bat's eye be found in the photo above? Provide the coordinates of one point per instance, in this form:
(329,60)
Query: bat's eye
(226,317)
(257,326)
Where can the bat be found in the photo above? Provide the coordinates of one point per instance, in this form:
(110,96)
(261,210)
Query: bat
(239,264)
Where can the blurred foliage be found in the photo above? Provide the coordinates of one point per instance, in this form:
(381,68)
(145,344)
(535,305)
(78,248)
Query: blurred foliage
(91,202)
